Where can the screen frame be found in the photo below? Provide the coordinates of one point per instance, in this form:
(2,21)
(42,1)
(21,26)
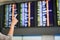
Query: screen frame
(37,31)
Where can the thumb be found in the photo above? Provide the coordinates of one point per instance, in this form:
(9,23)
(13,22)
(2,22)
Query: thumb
(16,15)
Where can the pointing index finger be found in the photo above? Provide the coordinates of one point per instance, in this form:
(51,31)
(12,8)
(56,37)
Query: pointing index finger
(12,10)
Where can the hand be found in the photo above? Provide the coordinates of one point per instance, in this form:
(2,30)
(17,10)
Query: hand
(14,20)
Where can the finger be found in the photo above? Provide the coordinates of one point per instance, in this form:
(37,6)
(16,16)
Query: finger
(12,10)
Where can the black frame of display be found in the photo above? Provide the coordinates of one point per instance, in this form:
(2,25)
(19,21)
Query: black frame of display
(33,30)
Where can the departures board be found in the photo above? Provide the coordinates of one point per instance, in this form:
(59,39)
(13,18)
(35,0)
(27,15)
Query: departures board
(30,14)
(41,16)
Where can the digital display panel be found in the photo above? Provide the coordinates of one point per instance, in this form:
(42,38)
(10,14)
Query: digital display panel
(58,12)
(8,14)
(27,14)
(45,13)
(31,14)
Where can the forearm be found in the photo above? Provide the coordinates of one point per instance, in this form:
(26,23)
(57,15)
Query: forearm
(11,31)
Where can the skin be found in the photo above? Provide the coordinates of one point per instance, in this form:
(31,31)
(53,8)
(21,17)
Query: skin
(14,22)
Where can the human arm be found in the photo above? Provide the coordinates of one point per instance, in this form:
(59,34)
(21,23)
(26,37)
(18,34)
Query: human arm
(11,30)
(14,22)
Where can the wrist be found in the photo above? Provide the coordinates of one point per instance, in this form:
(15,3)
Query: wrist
(12,26)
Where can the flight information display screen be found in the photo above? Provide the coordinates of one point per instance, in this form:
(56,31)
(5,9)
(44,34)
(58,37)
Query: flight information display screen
(45,13)
(58,12)
(30,14)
